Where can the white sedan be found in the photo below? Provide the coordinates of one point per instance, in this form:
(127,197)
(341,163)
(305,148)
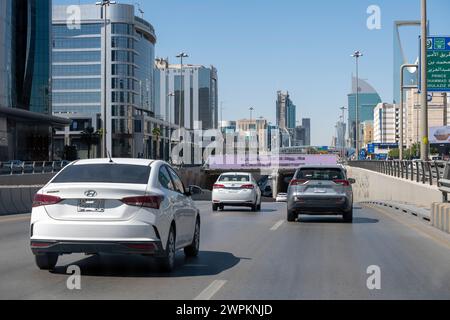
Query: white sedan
(237,190)
(119,206)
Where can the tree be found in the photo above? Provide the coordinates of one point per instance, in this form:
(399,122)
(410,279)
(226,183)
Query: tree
(394,153)
(70,153)
(157,137)
(90,138)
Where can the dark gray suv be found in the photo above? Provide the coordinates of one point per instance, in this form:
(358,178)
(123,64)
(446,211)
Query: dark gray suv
(320,190)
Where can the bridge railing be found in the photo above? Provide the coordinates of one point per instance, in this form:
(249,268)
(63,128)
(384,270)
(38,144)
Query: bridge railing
(31,167)
(425,172)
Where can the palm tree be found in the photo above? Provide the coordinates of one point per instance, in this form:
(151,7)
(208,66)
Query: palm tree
(90,138)
(157,137)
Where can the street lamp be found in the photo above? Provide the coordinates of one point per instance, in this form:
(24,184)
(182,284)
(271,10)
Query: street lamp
(104,5)
(343,133)
(171,95)
(424,145)
(357,55)
(181,56)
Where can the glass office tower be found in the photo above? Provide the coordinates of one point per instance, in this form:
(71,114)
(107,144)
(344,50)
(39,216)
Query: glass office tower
(79,59)
(26,124)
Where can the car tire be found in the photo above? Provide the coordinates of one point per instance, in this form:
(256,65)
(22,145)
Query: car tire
(258,207)
(194,248)
(348,216)
(215,207)
(166,263)
(46,261)
(291,216)
(222,208)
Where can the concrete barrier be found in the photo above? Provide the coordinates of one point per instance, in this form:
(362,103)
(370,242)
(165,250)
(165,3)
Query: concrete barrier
(374,186)
(26,179)
(17,199)
(440,216)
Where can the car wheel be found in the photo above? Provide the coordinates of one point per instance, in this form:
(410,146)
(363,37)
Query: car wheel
(193,249)
(348,216)
(258,207)
(166,263)
(222,207)
(215,207)
(291,216)
(46,261)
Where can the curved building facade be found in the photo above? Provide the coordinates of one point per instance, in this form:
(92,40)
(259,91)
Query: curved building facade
(80,54)
(25,82)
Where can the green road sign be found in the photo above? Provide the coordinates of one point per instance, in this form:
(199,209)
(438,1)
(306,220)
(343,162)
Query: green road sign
(438,64)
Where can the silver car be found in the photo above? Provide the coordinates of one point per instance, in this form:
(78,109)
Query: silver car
(320,190)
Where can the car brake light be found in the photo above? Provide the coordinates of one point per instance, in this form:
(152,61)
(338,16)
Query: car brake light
(247,186)
(344,183)
(298,182)
(153,201)
(45,200)
(219,186)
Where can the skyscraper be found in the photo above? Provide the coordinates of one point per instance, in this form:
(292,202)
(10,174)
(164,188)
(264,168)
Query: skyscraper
(197,90)
(286,111)
(368,99)
(25,111)
(79,59)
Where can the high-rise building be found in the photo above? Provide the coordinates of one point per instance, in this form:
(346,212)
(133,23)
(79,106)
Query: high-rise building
(302,134)
(438,114)
(341,128)
(387,123)
(26,123)
(80,54)
(195,90)
(368,99)
(367,132)
(286,111)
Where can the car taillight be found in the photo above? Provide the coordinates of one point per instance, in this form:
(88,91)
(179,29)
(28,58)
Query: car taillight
(247,186)
(45,200)
(153,202)
(344,183)
(298,182)
(219,186)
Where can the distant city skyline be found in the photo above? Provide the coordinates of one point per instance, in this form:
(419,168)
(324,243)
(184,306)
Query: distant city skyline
(314,62)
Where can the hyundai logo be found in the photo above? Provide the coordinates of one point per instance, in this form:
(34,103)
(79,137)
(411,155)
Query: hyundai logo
(90,193)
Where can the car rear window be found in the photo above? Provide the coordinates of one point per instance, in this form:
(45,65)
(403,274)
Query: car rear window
(235,178)
(320,174)
(104,173)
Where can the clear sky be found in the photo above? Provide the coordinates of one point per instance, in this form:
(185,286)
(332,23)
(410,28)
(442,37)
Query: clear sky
(261,46)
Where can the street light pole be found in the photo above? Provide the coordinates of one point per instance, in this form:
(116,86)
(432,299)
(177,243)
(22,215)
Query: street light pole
(402,107)
(357,55)
(424,88)
(104,5)
(343,137)
(181,56)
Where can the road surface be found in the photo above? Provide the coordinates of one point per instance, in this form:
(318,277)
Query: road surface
(246,255)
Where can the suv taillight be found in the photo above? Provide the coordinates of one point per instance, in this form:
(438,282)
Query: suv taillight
(344,183)
(298,182)
(45,200)
(153,201)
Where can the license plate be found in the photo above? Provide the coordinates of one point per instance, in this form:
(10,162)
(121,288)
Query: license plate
(95,206)
(320,191)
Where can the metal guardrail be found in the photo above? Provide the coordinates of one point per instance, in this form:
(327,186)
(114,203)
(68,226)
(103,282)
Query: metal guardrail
(425,172)
(31,167)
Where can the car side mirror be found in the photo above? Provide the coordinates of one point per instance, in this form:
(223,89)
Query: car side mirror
(351,181)
(194,190)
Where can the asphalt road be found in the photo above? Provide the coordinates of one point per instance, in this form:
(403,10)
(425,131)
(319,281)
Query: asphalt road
(247,255)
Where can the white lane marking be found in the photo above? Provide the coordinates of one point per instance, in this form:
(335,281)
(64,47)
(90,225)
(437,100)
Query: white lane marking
(211,290)
(277,225)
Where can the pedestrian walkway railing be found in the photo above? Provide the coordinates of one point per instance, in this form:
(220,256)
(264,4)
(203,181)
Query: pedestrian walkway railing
(426,172)
(31,167)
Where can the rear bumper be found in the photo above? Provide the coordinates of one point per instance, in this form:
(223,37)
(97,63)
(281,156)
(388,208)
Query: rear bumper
(153,248)
(321,206)
(240,198)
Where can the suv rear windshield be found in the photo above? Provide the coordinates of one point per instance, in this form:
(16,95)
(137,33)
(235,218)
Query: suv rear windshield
(234,178)
(320,174)
(104,173)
